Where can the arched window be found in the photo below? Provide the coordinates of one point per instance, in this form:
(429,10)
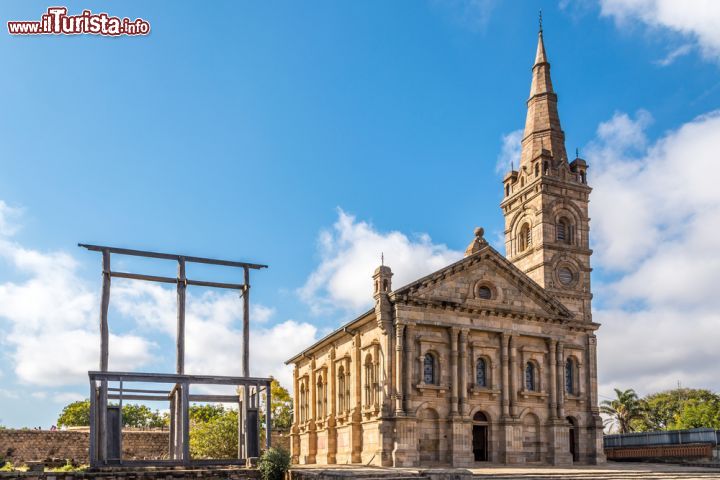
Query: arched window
(530,374)
(507,190)
(341,389)
(525,238)
(570,376)
(546,168)
(564,231)
(481,373)
(320,398)
(347,391)
(429,376)
(480,417)
(522,182)
(583,177)
(303,405)
(537,169)
(369,381)
(385,285)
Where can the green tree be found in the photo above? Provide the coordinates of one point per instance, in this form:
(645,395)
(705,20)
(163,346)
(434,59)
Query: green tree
(697,413)
(281,404)
(75,414)
(205,413)
(141,416)
(274,464)
(663,409)
(216,437)
(623,410)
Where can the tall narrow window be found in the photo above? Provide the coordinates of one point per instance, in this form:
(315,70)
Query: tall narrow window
(341,390)
(481,373)
(376,383)
(525,239)
(530,381)
(320,390)
(303,417)
(368,379)
(570,376)
(537,169)
(561,231)
(507,190)
(429,369)
(546,168)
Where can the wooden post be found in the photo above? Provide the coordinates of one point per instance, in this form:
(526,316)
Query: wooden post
(185,409)
(104,304)
(172,451)
(181,287)
(245,405)
(93,424)
(246,323)
(268,415)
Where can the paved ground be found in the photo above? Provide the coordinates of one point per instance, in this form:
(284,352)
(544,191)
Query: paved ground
(610,471)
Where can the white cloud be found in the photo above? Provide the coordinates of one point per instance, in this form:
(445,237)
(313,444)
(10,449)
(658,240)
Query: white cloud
(697,20)
(52,337)
(351,251)
(509,152)
(674,54)
(656,211)
(213,323)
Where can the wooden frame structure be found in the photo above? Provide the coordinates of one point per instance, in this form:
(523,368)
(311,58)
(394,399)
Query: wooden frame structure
(106,419)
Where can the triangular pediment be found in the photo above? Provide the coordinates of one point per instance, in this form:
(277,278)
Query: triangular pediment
(461,285)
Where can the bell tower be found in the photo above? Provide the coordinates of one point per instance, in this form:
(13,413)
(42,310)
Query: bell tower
(546,199)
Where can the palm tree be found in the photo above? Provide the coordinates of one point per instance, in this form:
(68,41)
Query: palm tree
(623,410)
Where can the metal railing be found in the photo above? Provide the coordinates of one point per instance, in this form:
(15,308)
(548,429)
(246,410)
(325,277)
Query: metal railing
(670,437)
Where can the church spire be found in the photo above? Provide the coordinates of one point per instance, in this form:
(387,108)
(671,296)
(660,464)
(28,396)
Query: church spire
(542,125)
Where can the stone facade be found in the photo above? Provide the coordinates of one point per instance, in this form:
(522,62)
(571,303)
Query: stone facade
(490,359)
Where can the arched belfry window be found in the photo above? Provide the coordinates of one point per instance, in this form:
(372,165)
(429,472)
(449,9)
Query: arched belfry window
(530,377)
(507,190)
(524,238)
(481,373)
(564,231)
(546,168)
(570,376)
(537,169)
(429,370)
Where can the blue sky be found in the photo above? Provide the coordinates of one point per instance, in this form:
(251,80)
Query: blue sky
(311,136)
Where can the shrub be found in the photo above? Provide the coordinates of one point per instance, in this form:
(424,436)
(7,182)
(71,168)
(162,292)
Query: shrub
(274,463)
(7,467)
(68,467)
(215,438)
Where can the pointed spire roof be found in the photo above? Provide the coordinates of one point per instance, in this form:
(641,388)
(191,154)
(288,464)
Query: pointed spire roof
(542,125)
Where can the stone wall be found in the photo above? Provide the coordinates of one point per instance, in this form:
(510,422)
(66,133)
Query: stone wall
(19,446)
(121,474)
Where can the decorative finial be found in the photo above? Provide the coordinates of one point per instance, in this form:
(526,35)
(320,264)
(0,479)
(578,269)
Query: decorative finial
(540,20)
(479,232)
(512,165)
(577,152)
(382,259)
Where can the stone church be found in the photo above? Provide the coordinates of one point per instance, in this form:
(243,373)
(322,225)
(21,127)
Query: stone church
(490,359)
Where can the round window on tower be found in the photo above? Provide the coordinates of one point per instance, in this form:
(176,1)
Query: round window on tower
(485,293)
(565,275)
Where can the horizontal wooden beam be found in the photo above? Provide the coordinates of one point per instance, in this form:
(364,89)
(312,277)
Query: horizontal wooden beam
(199,283)
(174,378)
(215,398)
(170,256)
(136,390)
(142,398)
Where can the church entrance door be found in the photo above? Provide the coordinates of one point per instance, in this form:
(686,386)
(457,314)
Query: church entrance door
(480,437)
(572,436)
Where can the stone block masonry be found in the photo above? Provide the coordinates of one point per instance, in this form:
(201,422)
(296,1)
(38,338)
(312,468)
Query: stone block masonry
(123,474)
(20,446)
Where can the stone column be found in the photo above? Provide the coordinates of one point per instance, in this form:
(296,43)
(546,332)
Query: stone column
(504,340)
(312,426)
(399,370)
(553,377)
(513,376)
(453,371)
(295,430)
(560,380)
(408,370)
(463,371)
(331,392)
(356,405)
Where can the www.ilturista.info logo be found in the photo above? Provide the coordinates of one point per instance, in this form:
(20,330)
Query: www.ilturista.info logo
(57,22)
